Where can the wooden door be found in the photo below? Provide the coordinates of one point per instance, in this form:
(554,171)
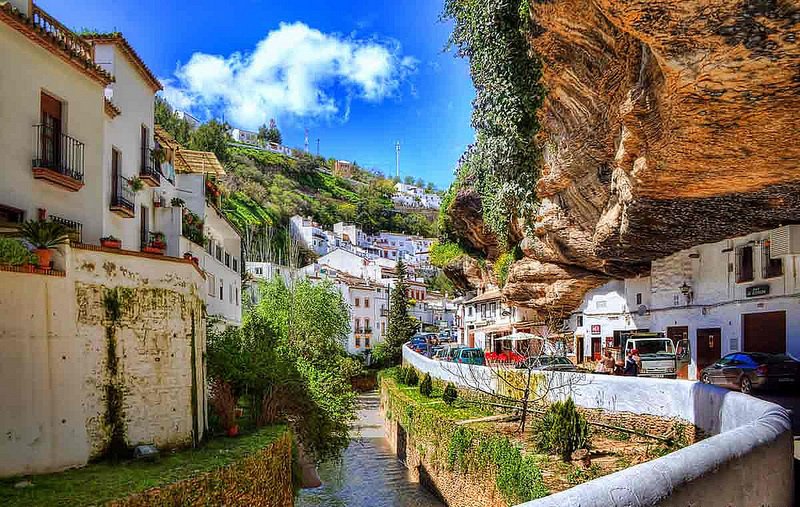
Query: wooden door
(51,130)
(144,226)
(709,347)
(579,353)
(764,332)
(596,348)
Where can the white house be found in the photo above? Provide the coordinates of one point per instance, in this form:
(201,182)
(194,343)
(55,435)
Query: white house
(309,234)
(412,196)
(244,136)
(740,294)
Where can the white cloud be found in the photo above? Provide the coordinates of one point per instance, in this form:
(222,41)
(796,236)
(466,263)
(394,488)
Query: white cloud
(295,71)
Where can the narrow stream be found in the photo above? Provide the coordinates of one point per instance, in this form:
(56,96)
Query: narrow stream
(369,474)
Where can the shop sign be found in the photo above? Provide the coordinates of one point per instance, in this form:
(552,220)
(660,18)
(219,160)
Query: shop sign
(595,328)
(756,290)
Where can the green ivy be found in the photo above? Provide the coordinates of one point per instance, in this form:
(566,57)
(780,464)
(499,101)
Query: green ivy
(504,162)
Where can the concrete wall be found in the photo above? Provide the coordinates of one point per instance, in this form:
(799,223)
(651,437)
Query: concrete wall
(748,460)
(27,70)
(63,356)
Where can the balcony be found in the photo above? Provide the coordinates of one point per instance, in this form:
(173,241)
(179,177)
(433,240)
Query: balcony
(153,243)
(148,173)
(58,158)
(123,200)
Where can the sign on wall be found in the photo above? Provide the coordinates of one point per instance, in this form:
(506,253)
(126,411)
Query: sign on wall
(756,290)
(595,328)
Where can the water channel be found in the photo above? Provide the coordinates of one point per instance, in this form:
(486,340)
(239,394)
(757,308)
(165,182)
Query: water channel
(369,474)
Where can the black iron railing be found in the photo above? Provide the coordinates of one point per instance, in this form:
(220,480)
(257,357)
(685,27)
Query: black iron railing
(149,169)
(75,228)
(58,152)
(122,195)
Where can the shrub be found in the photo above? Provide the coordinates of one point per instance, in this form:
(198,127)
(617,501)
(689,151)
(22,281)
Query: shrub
(450,394)
(562,430)
(412,378)
(426,386)
(14,253)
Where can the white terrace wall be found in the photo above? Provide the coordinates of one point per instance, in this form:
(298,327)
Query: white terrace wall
(748,460)
(65,358)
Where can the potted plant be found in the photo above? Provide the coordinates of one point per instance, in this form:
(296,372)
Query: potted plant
(44,235)
(159,240)
(111,242)
(14,253)
(136,184)
(176,202)
(187,256)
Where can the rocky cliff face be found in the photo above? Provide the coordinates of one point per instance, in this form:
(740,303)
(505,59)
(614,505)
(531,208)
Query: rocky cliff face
(667,124)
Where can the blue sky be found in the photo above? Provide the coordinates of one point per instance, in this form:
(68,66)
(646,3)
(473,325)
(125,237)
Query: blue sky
(359,74)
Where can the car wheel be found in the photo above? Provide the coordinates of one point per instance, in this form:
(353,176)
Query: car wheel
(746,385)
(705,378)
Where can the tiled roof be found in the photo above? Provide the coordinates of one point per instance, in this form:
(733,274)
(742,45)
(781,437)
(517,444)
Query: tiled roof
(130,53)
(111,110)
(189,161)
(486,296)
(54,37)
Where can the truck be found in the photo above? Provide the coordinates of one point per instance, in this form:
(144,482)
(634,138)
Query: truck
(660,356)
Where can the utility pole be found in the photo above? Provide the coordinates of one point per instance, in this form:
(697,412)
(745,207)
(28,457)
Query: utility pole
(306,141)
(397,159)
(318,146)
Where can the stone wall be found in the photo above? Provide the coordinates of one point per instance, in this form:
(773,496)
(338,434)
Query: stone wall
(263,479)
(106,357)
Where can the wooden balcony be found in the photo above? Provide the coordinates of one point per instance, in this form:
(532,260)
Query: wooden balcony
(58,158)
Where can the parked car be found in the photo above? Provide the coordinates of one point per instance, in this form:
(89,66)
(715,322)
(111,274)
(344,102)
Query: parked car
(440,353)
(548,363)
(470,355)
(747,371)
(418,344)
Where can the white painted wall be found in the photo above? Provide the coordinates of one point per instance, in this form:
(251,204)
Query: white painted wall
(26,70)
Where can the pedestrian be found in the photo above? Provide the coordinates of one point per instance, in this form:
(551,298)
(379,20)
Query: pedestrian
(609,363)
(637,358)
(631,366)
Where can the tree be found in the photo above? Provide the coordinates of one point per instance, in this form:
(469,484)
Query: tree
(211,136)
(165,117)
(429,187)
(272,134)
(408,180)
(420,183)
(401,325)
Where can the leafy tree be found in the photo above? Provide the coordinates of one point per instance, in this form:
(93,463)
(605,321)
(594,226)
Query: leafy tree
(426,386)
(165,117)
(401,325)
(420,183)
(271,134)
(408,180)
(211,136)
(429,187)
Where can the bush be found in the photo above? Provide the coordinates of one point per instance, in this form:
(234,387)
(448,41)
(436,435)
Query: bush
(450,394)
(14,253)
(562,430)
(412,378)
(426,386)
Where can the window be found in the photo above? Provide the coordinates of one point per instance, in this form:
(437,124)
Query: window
(212,284)
(770,267)
(638,298)
(221,290)
(676,300)
(219,253)
(259,271)
(366,341)
(366,302)
(227,259)
(383,328)
(235,264)
(237,296)
(469,311)
(358,302)
(483,310)
(210,246)
(358,341)
(367,329)
(744,264)
(358,326)
(579,320)
(493,309)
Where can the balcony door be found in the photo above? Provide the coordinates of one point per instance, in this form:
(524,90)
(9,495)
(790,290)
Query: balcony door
(51,109)
(144,227)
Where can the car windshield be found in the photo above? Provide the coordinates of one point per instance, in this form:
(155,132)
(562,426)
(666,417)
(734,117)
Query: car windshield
(655,347)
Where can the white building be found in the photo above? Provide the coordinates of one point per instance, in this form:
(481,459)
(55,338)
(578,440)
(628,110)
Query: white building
(741,294)
(245,136)
(412,196)
(197,227)
(368,302)
(309,234)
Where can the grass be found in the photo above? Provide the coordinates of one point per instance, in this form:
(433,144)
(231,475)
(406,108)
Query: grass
(99,483)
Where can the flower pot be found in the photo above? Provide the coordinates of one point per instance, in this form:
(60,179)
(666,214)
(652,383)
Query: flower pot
(28,268)
(44,255)
(233,430)
(111,243)
(153,250)
(187,256)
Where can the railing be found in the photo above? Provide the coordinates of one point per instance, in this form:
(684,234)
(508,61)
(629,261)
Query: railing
(75,228)
(364,330)
(148,169)
(67,37)
(122,194)
(58,152)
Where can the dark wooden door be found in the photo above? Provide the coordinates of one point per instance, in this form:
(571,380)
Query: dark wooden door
(764,332)
(709,347)
(144,227)
(51,130)
(596,348)
(579,349)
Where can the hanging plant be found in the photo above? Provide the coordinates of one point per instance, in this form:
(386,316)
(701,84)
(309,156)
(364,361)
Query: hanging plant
(136,184)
